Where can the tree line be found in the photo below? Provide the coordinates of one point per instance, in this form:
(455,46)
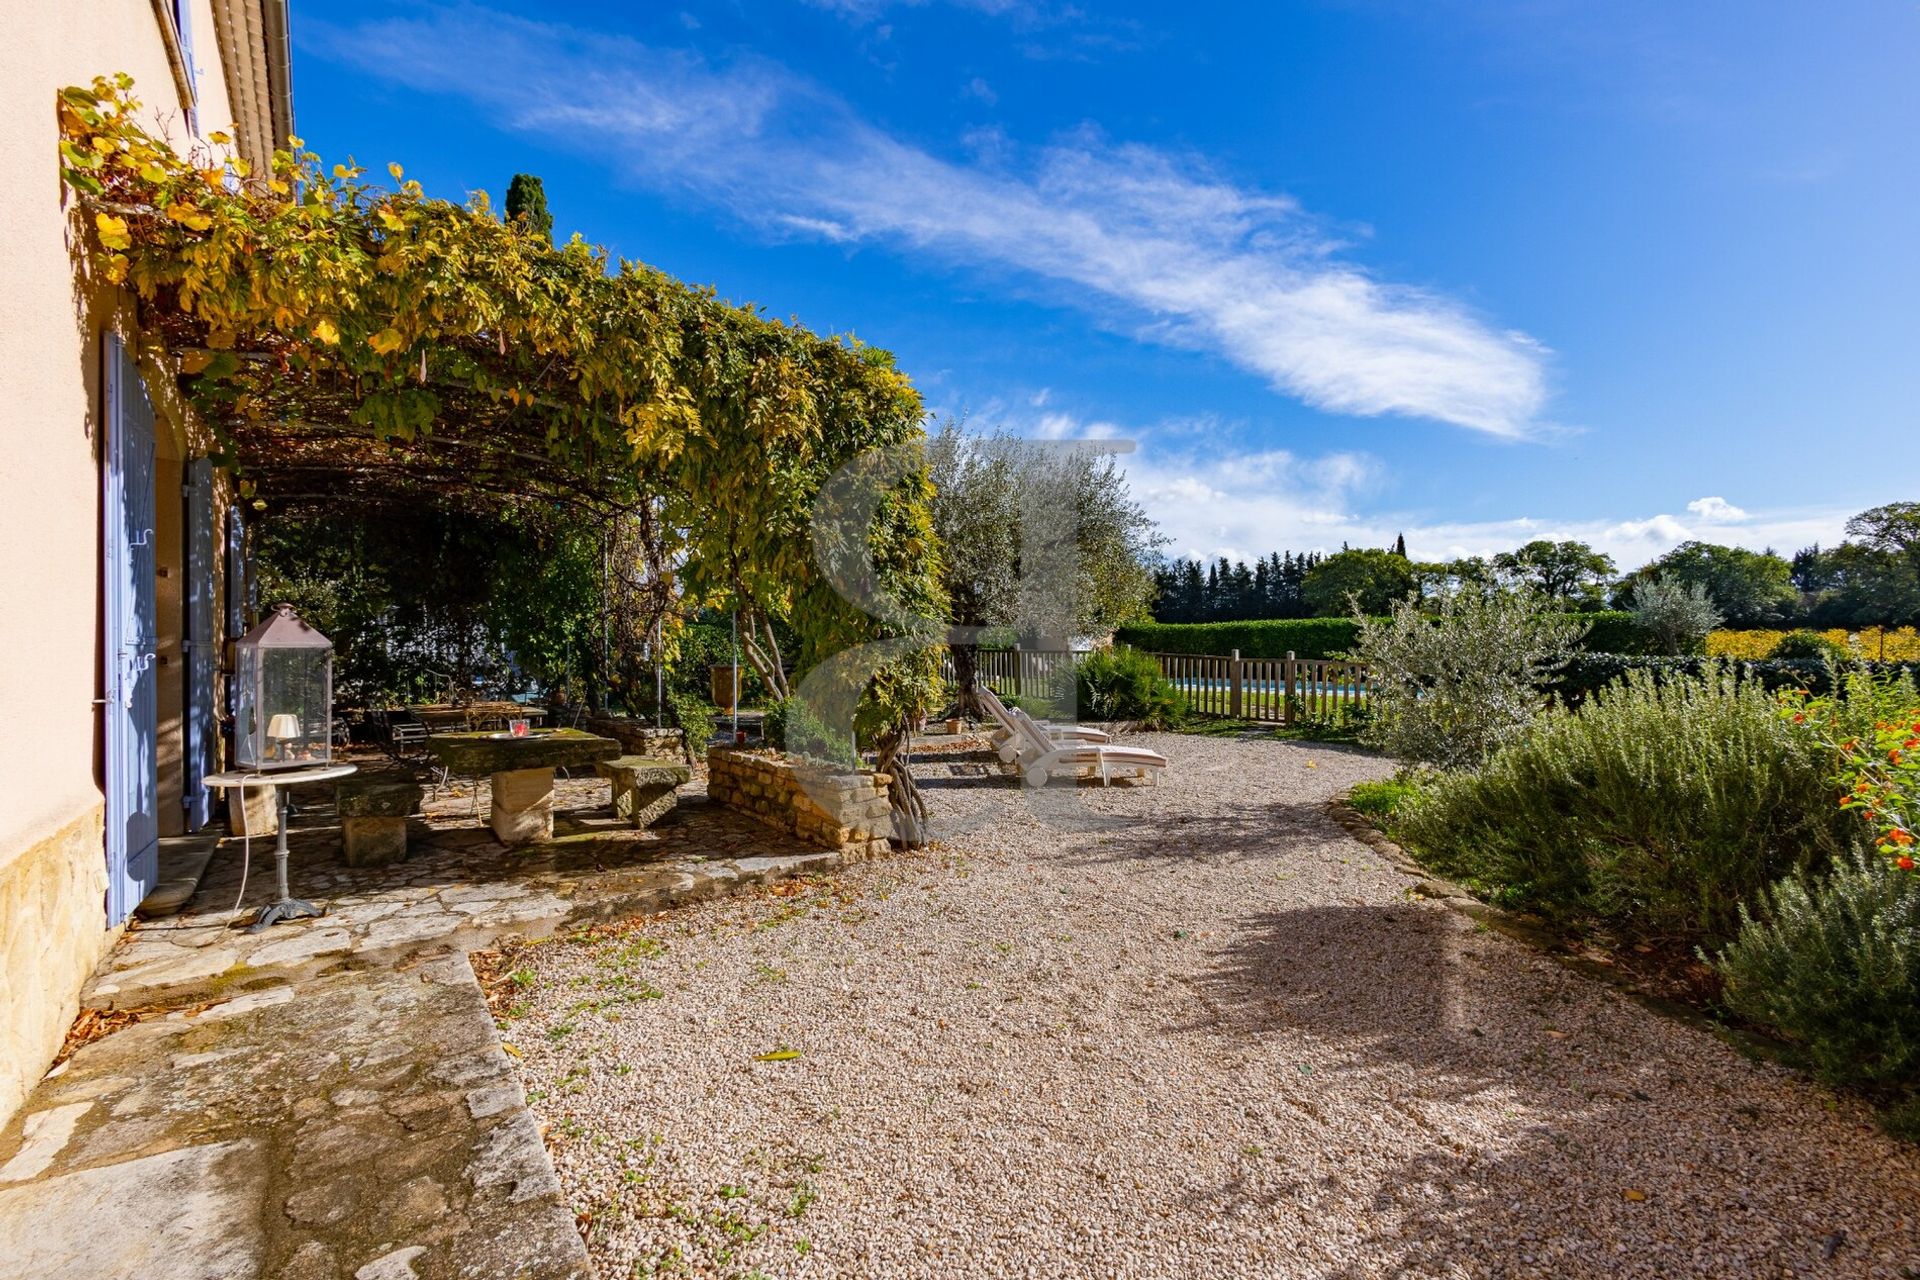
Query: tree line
(1872,578)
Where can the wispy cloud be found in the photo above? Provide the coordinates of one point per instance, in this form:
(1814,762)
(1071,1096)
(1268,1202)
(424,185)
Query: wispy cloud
(1144,239)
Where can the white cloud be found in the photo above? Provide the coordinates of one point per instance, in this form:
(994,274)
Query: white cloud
(981,90)
(1142,238)
(1716,511)
(1213,502)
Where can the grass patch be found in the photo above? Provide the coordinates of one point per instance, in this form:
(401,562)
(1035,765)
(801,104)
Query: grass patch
(1381,800)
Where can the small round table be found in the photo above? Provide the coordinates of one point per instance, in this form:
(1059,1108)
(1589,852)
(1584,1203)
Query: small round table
(287,907)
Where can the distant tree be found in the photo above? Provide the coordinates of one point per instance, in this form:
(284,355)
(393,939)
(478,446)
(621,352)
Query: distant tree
(1571,574)
(1893,531)
(1750,588)
(1369,580)
(1400,546)
(527,202)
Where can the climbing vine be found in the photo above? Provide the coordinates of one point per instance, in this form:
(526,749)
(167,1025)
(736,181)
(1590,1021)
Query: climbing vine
(352,344)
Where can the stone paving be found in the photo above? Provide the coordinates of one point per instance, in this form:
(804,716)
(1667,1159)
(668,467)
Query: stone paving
(459,890)
(328,1098)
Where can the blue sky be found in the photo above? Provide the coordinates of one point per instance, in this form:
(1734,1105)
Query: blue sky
(1475,271)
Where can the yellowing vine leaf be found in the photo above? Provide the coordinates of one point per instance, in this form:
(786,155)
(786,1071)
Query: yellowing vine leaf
(113,231)
(188,215)
(387,341)
(327,332)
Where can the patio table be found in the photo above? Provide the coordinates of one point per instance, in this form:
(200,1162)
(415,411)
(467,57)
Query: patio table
(285,906)
(522,772)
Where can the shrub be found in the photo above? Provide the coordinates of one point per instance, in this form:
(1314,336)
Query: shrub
(1808,646)
(693,716)
(797,729)
(1613,631)
(1447,689)
(1120,684)
(1676,617)
(1833,964)
(1871,727)
(1658,806)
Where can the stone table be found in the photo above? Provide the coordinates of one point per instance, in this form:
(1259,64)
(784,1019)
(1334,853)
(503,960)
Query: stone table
(522,772)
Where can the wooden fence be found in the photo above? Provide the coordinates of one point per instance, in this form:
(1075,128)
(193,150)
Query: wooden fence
(1276,690)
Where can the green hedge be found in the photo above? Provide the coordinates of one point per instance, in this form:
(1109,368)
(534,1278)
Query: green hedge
(1611,631)
(1266,638)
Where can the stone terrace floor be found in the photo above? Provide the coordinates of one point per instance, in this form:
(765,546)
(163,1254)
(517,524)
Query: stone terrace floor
(328,1098)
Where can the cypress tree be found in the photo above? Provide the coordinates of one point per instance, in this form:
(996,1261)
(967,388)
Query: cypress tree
(527,200)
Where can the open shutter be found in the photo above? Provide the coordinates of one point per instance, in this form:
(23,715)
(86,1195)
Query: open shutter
(132,706)
(202,644)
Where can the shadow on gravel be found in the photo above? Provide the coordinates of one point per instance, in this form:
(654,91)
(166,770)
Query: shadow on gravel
(1530,1135)
(1376,981)
(1227,832)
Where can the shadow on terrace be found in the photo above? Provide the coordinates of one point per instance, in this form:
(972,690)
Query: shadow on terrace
(458,889)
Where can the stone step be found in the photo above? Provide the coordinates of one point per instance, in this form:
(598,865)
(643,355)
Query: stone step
(183,862)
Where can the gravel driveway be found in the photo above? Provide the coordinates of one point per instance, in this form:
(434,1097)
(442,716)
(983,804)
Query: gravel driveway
(1182,1030)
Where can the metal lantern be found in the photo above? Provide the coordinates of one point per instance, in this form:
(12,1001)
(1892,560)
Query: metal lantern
(283,695)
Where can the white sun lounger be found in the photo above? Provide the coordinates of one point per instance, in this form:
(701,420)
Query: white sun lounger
(1003,737)
(1042,757)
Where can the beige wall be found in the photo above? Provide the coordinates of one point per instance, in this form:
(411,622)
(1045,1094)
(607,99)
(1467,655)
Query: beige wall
(50,335)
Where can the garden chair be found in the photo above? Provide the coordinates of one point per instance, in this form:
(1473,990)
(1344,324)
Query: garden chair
(1042,757)
(1004,738)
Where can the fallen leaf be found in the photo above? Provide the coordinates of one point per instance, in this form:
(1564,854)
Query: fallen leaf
(1636,1196)
(782,1054)
(513,1052)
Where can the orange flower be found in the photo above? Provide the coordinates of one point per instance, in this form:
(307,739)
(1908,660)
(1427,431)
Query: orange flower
(1903,862)
(1900,835)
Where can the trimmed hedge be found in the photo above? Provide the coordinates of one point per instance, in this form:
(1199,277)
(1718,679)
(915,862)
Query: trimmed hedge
(1262,638)
(1609,631)
(1587,672)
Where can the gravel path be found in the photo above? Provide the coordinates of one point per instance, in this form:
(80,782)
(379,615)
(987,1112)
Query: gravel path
(1188,1030)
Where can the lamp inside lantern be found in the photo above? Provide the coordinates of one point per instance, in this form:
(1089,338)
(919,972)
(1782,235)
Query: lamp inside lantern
(283,694)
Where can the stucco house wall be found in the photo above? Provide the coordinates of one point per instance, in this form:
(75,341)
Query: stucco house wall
(52,321)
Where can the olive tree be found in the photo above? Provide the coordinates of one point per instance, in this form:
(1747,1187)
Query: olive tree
(1042,536)
(1448,686)
(1678,616)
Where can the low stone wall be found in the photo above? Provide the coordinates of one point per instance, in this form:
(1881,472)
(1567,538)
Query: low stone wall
(832,808)
(52,933)
(637,737)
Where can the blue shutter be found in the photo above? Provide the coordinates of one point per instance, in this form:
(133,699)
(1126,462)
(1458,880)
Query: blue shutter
(132,708)
(202,644)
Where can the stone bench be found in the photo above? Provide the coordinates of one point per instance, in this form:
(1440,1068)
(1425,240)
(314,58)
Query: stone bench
(643,787)
(373,818)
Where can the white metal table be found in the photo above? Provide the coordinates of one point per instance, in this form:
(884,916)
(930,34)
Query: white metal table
(286,906)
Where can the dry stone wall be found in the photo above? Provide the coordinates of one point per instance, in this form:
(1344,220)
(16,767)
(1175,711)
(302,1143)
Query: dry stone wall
(822,805)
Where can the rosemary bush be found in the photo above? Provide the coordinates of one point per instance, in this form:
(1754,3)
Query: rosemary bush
(1833,963)
(1658,806)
